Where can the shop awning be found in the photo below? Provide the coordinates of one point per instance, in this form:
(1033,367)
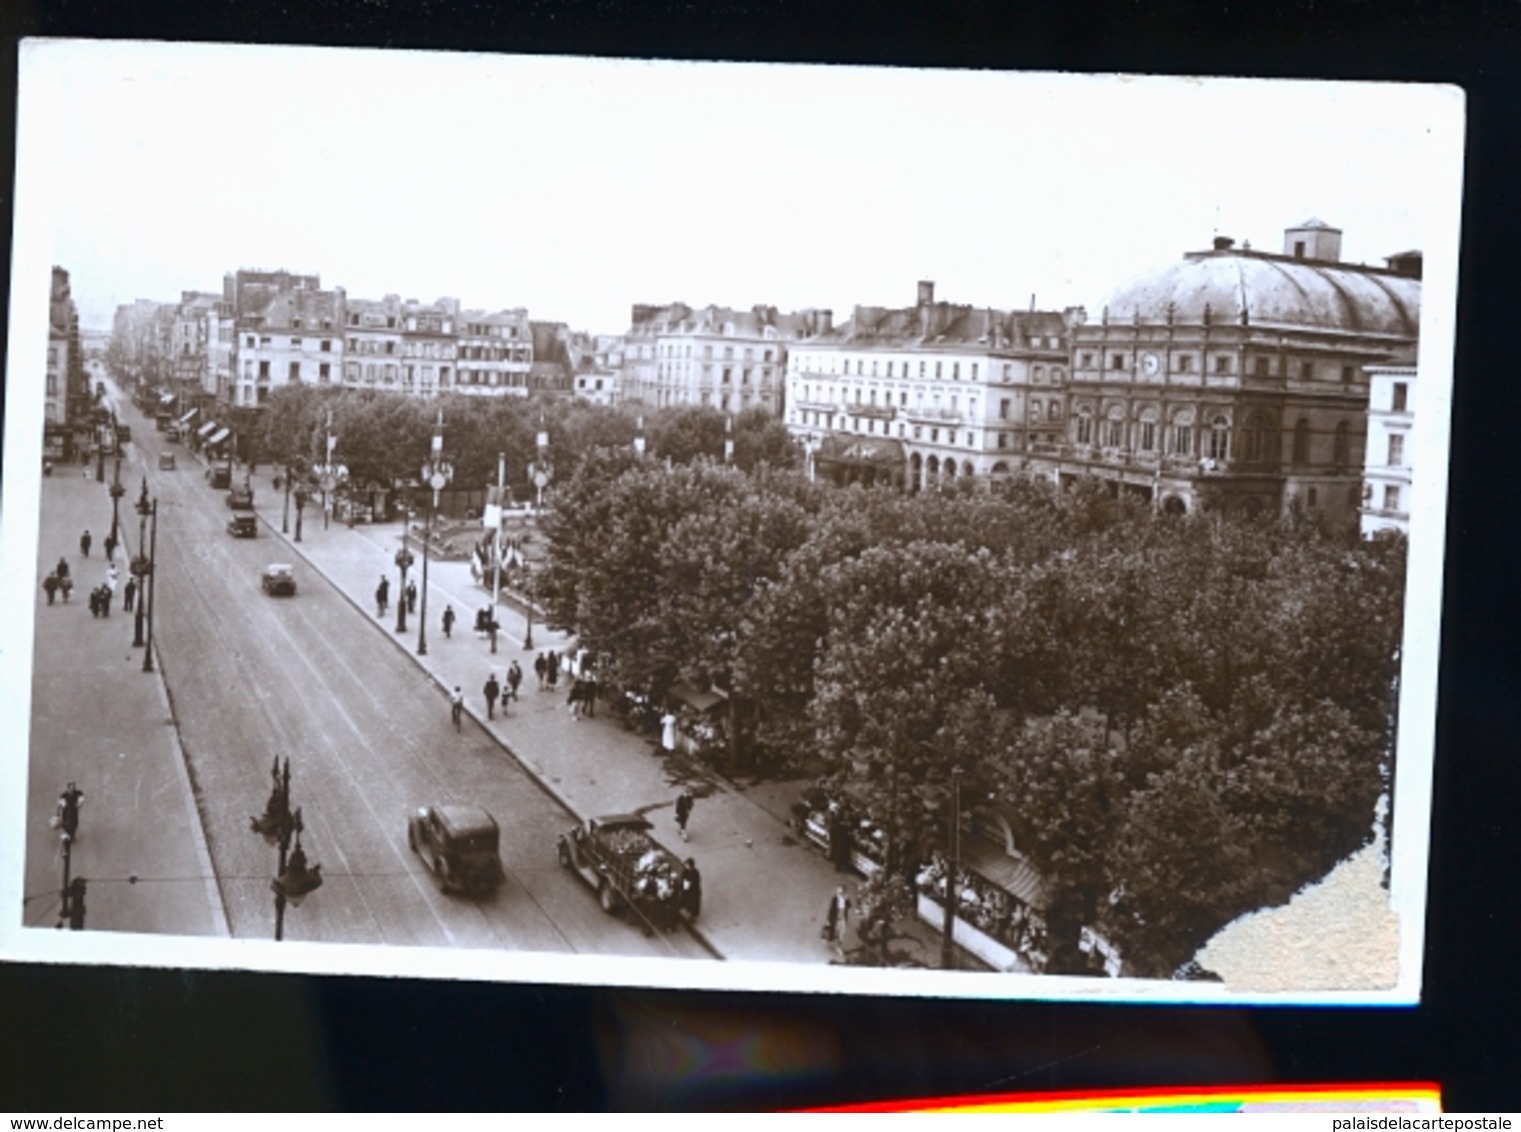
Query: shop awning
(187,417)
(845,449)
(1014,875)
(206,428)
(166,399)
(220,435)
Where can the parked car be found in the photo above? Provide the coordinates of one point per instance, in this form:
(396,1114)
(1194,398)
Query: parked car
(279,580)
(174,434)
(243,526)
(240,498)
(620,859)
(123,434)
(459,844)
(166,461)
(220,475)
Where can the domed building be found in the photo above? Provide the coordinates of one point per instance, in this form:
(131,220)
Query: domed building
(1234,380)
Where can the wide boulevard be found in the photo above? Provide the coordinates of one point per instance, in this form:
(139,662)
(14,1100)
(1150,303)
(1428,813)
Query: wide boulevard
(253,678)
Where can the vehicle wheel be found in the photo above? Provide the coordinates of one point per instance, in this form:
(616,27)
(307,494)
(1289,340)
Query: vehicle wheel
(607,897)
(564,853)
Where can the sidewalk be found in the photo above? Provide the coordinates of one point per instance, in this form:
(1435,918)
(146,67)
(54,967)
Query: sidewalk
(764,891)
(99,720)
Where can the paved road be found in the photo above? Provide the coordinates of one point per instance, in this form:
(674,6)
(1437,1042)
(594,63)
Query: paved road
(252,678)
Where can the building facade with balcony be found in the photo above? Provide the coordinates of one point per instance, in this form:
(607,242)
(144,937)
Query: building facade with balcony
(494,353)
(1235,380)
(1387,474)
(296,336)
(372,338)
(429,346)
(926,394)
(726,359)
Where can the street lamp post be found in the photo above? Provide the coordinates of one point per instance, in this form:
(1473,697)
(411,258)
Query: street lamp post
(947,941)
(403,563)
(285,515)
(117,491)
(436,473)
(139,567)
(540,472)
(329,475)
(302,495)
(294,880)
(151,593)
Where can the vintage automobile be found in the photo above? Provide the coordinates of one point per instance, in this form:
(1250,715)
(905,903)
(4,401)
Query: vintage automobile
(279,580)
(220,475)
(459,845)
(240,498)
(166,461)
(244,525)
(617,855)
(123,434)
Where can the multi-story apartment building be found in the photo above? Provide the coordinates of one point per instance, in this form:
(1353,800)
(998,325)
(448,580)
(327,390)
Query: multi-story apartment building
(296,336)
(494,353)
(923,394)
(1391,417)
(730,360)
(429,346)
(372,343)
(1235,379)
(192,334)
(63,344)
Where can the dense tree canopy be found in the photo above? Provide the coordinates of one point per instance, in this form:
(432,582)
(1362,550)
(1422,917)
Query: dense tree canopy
(1186,717)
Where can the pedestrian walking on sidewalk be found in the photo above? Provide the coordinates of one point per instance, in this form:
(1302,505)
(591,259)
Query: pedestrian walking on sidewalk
(684,812)
(65,586)
(50,587)
(62,569)
(514,678)
(691,888)
(491,691)
(84,543)
(411,597)
(130,592)
(540,667)
(112,577)
(382,595)
(110,545)
(552,669)
(837,916)
(448,620)
(668,732)
(456,706)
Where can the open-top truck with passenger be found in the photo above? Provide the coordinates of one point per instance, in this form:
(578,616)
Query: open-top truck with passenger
(618,856)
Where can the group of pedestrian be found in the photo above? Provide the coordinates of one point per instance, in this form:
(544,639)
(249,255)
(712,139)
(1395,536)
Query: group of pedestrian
(546,666)
(581,699)
(58,583)
(102,595)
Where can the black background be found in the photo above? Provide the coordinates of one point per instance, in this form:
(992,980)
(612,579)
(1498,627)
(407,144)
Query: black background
(81,1040)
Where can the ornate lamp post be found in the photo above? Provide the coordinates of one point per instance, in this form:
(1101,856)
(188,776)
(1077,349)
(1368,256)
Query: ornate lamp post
(436,473)
(149,595)
(328,474)
(302,495)
(294,880)
(403,563)
(540,472)
(139,566)
(285,515)
(117,491)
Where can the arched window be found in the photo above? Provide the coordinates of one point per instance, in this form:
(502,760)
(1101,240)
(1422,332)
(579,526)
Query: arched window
(1114,427)
(1219,438)
(1085,425)
(1259,437)
(1146,439)
(1183,433)
(1342,453)
(1301,441)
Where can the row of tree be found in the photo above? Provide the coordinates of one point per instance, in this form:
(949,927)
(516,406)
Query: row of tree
(1182,718)
(383,439)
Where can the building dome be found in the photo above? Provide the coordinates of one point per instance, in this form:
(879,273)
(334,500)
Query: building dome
(1249,288)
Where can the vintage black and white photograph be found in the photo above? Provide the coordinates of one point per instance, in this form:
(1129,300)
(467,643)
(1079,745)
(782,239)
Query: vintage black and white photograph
(628,522)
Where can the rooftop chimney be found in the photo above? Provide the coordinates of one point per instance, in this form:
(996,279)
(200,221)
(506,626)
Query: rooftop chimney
(926,292)
(1224,243)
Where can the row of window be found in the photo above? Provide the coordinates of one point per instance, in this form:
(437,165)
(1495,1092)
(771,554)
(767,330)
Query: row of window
(1221,364)
(684,350)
